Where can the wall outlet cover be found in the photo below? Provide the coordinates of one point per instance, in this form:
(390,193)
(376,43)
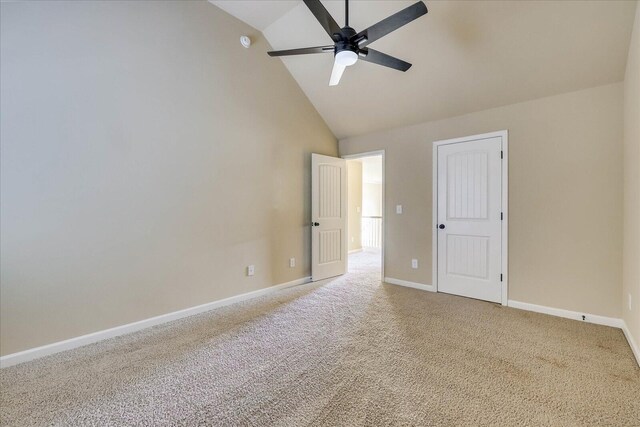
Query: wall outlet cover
(251,270)
(292,262)
(398,209)
(414,263)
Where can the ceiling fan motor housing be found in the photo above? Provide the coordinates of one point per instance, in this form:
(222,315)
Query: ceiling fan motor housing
(345,43)
(346,33)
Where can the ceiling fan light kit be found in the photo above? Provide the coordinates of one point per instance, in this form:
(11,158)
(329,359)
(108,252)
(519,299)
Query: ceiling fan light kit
(349,46)
(346,58)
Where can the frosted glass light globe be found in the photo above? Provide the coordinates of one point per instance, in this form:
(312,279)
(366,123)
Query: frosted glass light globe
(346,58)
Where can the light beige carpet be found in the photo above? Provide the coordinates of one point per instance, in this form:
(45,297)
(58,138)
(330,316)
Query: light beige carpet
(349,351)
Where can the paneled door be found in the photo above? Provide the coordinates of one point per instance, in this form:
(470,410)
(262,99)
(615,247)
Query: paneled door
(469,218)
(328,216)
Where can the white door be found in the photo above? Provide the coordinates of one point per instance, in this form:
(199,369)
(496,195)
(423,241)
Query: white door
(469,215)
(328,216)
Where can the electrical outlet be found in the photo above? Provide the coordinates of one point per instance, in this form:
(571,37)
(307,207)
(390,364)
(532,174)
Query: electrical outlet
(292,262)
(629,301)
(414,263)
(251,270)
(398,209)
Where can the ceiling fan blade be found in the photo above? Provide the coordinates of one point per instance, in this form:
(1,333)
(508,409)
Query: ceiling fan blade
(390,24)
(336,73)
(326,20)
(380,58)
(302,51)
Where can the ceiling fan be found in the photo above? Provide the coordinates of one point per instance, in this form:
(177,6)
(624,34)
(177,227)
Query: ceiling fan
(349,46)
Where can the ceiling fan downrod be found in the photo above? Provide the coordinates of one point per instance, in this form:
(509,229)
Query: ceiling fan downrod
(346,13)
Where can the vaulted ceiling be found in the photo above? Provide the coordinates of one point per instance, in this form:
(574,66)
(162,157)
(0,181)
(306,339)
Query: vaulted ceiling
(467,55)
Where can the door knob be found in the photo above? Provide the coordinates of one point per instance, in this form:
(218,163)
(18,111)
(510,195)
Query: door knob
(441,226)
(315,224)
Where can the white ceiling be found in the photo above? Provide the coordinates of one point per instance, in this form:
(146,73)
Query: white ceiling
(467,55)
(257,13)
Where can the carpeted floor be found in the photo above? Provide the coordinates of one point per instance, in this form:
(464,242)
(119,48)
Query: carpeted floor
(348,351)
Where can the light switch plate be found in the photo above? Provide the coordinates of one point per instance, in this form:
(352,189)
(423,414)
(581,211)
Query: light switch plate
(251,270)
(398,209)
(414,263)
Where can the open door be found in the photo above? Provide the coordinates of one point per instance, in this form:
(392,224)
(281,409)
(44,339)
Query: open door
(328,216)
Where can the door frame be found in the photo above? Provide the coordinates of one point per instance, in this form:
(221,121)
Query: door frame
(356,156)
(504,135)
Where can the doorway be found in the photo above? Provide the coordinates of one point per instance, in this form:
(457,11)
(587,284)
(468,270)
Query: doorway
(470,216)
(365,212)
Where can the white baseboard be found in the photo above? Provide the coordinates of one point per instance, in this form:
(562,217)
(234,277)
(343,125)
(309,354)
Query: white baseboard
(632,343)
(408,284)
(37,352)
(46,350)
(575,315)
(353,251)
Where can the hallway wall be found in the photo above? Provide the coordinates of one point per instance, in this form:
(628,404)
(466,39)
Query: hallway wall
(354,204)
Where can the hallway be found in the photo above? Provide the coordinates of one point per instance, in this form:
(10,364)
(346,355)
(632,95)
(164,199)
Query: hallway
(368,260)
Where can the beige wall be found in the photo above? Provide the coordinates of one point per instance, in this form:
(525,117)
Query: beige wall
(147,159)
(371,199)
(565,196)
(354,177)
(631,271)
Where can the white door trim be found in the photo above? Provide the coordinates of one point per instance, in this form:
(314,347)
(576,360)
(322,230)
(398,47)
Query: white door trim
(504,134)
(384,212)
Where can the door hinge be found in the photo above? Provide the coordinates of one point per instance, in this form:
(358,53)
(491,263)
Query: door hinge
(501,277)
(501,154)
(501,216)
